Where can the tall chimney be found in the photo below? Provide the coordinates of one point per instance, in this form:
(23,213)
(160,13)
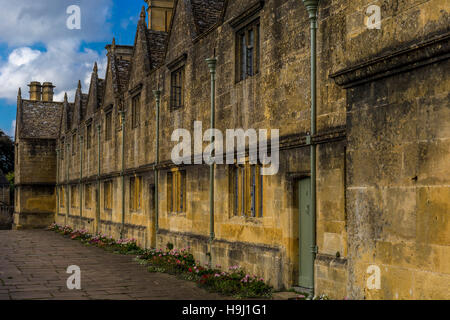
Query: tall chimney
(47,91)
(35,91)
(159,14)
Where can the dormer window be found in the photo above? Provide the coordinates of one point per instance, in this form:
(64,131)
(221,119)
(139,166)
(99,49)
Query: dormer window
(177,89)
(247,51)
(88,136)
(108,125)
(135,109)
(74,143)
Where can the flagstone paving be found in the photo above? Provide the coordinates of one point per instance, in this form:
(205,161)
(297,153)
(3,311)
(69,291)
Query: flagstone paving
(33,265)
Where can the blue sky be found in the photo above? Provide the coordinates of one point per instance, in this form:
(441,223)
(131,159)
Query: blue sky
(36,45)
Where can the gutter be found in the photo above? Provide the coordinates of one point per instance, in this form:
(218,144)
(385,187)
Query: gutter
(98,178)
(157,94)
(212,69)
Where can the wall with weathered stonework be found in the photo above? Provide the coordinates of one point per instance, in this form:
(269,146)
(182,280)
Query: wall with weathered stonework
(382,191)
(397,194)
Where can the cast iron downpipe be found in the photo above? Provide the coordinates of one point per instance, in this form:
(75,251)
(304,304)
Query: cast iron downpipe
(212,69)
(98,178)
(157,94)
(312,8)
(67,184)
(122,172)
(81,176)
(57,183)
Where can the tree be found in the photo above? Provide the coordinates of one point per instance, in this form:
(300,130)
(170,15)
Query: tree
(6,153)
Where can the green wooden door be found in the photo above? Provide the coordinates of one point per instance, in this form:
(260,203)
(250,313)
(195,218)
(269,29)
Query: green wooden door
(306,234)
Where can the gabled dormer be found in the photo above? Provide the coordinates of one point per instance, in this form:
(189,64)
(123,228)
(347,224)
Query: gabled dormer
(77,110)
(141,61)
(117,73)
(95,95)
(191,20)
(67,115)
(148,53)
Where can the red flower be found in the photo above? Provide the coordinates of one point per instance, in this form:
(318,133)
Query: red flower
(190,269)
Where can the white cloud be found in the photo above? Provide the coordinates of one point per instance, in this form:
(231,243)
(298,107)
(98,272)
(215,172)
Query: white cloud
(12,131)
(62,63)
(26,22)
(41,48)
(23,56)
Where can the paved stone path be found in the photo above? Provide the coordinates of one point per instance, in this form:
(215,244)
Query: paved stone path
(33,266)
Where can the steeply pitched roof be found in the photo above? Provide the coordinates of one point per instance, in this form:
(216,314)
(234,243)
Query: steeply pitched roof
(206,13)
(40,119)
(122,73)
(157,46)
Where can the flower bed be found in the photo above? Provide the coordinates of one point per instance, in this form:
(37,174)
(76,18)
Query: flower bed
(123,246)
(234,282)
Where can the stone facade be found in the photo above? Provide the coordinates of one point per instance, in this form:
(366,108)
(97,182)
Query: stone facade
(382,143)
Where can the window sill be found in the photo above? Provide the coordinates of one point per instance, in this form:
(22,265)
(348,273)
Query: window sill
(177,214)
(247,219)
(248,78)
(176,108)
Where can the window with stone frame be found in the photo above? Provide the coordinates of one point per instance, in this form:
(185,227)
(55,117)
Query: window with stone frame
(247,190)
(74,143)
(177,88)
(247,51)
(63,149)
(135,193)
(107,195)
(88,196)
(74,196)
(135,109)
(62,197)
(108,125)
(176,191)
(88,136)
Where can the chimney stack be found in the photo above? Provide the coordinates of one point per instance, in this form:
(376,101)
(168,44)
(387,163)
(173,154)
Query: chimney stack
(159,14)
(47,92)
(35,91)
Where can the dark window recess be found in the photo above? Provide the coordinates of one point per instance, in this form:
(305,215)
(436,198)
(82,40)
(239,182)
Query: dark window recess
(74,144)
(108,126)
(63,150)
(136,106)
(247,51)
(88,136)
(176,88)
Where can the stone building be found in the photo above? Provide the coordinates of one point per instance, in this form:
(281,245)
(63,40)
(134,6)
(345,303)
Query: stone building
(382,142)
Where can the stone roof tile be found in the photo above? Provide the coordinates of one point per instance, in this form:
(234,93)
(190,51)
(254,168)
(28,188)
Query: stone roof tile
(206,13)
(157,46)
(40,119)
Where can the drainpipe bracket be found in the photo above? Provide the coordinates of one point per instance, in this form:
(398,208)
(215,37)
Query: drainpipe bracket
(308,139)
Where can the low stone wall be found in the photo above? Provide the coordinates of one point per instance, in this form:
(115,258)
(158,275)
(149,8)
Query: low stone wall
(263,261)
(32,220)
